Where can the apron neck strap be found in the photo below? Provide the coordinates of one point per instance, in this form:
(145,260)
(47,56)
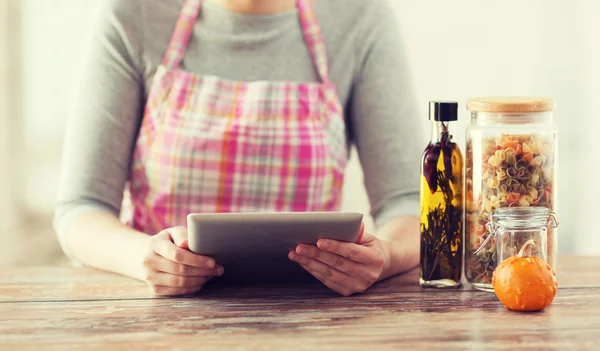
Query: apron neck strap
(310,28)
(314,38)
(181,35)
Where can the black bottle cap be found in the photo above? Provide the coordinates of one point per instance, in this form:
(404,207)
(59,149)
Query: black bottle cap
(443,111)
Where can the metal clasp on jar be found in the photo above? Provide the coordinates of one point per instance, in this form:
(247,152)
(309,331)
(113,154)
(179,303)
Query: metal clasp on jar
(552,220)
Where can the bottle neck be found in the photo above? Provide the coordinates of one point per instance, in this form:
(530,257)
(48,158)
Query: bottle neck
(441,131)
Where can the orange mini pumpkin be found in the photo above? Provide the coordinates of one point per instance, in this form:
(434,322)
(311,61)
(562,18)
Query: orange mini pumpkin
(524,283)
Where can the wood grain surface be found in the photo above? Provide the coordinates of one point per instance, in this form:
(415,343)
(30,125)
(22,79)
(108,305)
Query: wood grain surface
(80,308)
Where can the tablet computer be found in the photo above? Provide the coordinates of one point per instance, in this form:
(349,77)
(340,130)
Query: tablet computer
(252,237)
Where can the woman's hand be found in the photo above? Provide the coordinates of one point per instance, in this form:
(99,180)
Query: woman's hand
(171,269)
(346,268)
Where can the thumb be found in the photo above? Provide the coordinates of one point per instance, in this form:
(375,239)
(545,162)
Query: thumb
(367,239)
(361,233)
(179,235)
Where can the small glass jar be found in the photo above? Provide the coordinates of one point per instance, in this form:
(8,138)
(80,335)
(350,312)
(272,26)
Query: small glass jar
(510,162)
(512,227)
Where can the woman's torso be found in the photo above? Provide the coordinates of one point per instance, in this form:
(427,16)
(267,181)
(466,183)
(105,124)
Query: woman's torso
(212,144)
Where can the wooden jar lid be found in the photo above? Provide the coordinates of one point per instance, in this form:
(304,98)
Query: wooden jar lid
(511,104)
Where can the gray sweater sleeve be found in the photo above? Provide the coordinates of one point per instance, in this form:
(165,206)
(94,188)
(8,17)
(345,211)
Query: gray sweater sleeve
(385,123)
(102,128)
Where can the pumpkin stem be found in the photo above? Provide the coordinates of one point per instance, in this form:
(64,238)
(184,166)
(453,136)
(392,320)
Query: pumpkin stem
(529,243)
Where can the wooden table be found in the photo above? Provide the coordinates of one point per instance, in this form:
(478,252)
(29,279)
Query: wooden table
(71,308)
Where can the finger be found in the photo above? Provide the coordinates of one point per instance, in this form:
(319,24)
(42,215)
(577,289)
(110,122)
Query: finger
(331,285)
(333,279)
(170,291)
(338,262)
(175,281)
(354,252)
(326,271)
(176,254)
(328,283)
(179,236)
(161,264)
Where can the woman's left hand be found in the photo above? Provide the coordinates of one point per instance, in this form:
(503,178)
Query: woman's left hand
(346,268)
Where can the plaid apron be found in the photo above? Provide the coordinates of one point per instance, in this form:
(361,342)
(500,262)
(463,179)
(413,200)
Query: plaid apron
(210,145)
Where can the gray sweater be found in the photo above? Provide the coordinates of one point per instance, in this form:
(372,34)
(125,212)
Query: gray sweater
(367,64)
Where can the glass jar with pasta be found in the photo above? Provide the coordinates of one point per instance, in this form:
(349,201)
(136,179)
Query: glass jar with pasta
(510,162)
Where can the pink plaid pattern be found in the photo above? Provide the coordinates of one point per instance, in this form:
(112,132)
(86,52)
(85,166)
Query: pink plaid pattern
(208,144)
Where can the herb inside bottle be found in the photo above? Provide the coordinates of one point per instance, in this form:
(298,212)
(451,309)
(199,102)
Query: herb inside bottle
(441,202)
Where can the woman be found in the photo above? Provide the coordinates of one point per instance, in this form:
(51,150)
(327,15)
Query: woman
(235,106)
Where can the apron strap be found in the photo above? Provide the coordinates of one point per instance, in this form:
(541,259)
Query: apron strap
(308,20)
(314,38)
(181,34)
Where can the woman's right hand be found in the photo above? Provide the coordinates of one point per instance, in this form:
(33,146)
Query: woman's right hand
(170,269)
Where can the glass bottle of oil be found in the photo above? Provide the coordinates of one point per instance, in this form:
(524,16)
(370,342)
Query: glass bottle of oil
(441,202)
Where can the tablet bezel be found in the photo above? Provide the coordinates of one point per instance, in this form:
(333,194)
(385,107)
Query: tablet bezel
(237,237)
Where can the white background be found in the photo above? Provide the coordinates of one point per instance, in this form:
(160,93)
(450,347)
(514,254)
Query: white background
(457,49)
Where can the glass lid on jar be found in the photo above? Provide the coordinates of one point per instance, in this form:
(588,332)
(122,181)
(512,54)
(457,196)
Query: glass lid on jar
(523,217)
(518,218)
(510,104)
